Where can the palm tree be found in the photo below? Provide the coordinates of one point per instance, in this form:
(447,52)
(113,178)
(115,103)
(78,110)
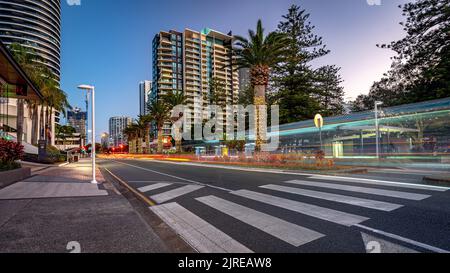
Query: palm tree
(44,79)
(140,127)
(26,58)
(172,100)
(259,53)
(147,121)
(131,132)
(160,113)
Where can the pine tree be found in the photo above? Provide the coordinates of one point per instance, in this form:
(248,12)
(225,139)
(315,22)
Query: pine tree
(296,83)
(421,68)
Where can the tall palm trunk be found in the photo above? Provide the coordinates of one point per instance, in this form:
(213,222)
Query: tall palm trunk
(42,124)
(140,149)
(147,138)
(160,140)
(34,123)
(20,118)
(178,146)
(178,142)
(260,79)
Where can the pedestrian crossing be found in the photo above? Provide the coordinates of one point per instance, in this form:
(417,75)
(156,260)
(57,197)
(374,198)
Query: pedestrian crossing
(208,234)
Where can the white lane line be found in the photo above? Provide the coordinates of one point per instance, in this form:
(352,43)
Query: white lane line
(326,214)
(173,176)
(339,178)
(380,182)
(355,201)
(403,239)
(389,193)
(283,230)
(201,235)
(172,194)
(154,187)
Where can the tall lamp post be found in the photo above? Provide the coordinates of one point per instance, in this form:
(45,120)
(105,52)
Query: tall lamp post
(377,128)
(91,89)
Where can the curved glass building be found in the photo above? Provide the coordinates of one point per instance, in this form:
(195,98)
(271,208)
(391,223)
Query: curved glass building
(34,24)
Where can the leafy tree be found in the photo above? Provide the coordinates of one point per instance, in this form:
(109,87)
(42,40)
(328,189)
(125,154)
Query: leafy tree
(260,53)
(147,121)
(217,93)
(173,99)
(329,91)
(421,68)
(302,91)
(45,80)
(160,113)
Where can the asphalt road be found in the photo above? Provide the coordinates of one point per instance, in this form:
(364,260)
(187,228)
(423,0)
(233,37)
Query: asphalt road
(228,210)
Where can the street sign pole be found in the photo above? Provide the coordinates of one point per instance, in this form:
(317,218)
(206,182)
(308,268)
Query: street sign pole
(320,135)
(318,121)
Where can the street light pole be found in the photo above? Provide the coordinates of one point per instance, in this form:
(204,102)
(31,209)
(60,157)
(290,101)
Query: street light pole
(92,90)
(377,129)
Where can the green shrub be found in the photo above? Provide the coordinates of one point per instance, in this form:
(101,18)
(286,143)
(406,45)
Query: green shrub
(10,152)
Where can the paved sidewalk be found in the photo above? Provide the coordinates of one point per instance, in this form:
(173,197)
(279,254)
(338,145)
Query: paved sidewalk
(58,205)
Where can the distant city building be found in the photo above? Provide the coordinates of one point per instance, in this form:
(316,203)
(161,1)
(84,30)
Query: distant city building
(116,127)
(188,61)
(244,78)
(145,89)
(77,119)
(69,142)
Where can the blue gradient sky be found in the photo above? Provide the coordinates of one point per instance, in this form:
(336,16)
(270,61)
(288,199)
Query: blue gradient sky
(108,42)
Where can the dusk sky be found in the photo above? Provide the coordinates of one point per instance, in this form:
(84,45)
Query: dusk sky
(107,43)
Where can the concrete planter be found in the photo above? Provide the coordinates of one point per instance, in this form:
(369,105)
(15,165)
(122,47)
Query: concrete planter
(10,177)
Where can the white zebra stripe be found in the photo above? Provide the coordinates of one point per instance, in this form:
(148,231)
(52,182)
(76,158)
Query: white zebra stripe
(283,230)
(201,235)
(367,203)
(326,214)
(169,195)
(389,193)
(154,187)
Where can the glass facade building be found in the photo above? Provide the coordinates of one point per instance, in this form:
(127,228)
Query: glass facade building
(414,132)
(35,24)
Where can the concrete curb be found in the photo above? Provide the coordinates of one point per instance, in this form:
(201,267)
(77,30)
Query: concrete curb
(170,239)
(437,180)
(13,176)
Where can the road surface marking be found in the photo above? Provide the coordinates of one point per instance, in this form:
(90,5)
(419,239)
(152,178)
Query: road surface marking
(172,194)
(201,235)
(403,239)
(396,194)
(380,182)
(326,214)
(283,230)
(377,245)
(138,194)
(339,178)
(366,203)
(173,176)
(154,187)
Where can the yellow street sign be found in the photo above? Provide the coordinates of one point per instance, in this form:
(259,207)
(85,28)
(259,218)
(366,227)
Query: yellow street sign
(318,121)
